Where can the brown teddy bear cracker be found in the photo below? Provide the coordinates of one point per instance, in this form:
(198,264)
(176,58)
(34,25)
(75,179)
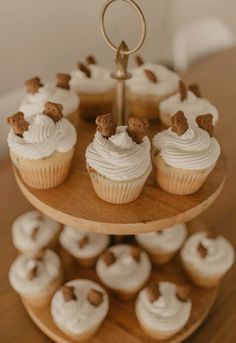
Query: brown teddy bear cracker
(182,91)
(183,292)
(139,60)
(137,128)
(91,59)
(95,297)
(63,81)
(33,85)
(106,125)
(82,67)
(18,123)
(68,293)
(205,122)
(150,75)
(53,111)
(194,88)
(153,292)
(179,123)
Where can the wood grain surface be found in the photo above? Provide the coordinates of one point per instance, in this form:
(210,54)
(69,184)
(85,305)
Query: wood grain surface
(216,76)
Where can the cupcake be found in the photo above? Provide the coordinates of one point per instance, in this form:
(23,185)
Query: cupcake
(33,231)
(85,247)
(206,257)
(118,160)
(149,85)
(36,276)
(163,245)
(60,93)
(124,269)
(42,147)
(95,87)
(184,156)
(163,309)
(78,308)
(190,102)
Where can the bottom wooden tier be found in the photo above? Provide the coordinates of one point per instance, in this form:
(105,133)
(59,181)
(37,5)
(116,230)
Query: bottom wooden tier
(121,324)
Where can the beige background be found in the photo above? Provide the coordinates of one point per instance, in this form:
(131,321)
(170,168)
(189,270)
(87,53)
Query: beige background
(46,36)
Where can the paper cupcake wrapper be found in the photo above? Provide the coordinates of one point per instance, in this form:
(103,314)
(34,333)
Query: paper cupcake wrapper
(117,192)
(73,118)
(179,181)
(44,173)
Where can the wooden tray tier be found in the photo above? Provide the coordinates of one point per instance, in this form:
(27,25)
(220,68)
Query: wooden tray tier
(75,203)
(121,324)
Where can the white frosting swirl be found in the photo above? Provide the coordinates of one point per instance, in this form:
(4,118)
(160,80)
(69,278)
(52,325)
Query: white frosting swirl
(99,82)
(168,81)
(70,237)
(48,270)
(24,226)
(166,314)
(34,103)
(119,157)
(78,316)
(167,241)
(195,149)
(125,273)
(220,254)
(192,107)
(43,138)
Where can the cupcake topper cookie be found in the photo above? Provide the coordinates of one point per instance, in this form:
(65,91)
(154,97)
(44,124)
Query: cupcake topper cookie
(53,111)
(179,123)
(137,128)
(106,125)
(135,253)
(33,271)
(34,232)
(18,123)
(139,60)
(153,292)
(108,258)
(194,88)
(183,91)
(68,293)
(63,81)
(205,122)
(202,250)
(33,85)
(150,75)
(183,292)
(91,59)
(95,297)
(83,242)
(82,67)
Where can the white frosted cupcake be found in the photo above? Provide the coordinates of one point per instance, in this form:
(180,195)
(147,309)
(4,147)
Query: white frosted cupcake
(163,245)
(42,147)
(85,247)
(33,230)
(78,308)
(36,276)
(149,85)
(60,93)
(95,87)
(118,160)
(124,269)
(183,156)
(188,101)
(206,258)
(163,309)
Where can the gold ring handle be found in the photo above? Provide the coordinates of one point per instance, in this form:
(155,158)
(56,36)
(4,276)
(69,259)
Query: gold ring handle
(143,26)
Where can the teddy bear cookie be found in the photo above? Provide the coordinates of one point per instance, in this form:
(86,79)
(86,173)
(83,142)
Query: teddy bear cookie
(33,85)
(118,160)
(18,123)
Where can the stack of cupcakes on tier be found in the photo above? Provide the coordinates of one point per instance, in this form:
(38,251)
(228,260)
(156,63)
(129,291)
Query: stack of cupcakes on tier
(184,156)
(60,93)
(149,85)
(32,231)
(95,87)
(119,160)
(42,146)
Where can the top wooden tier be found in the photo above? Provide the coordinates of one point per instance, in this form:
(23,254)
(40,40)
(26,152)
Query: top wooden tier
(75,203)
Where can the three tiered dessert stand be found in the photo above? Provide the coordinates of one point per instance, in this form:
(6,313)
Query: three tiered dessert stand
(74,203)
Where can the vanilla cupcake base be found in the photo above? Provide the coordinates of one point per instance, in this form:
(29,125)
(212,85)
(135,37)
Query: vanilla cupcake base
(117,192)
(161,258)
(199,279)
(165,118)
(92,105)
(46,172)
(43,298)
(83,262)
(144,105)
(179,181)
(73,117)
